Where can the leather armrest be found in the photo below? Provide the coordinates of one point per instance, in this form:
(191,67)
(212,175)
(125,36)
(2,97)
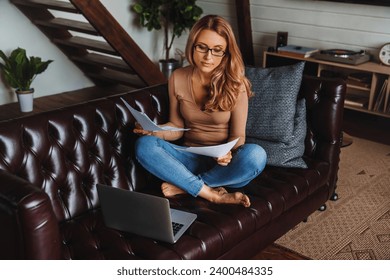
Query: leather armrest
(28,222)
(325,107)
(325,102)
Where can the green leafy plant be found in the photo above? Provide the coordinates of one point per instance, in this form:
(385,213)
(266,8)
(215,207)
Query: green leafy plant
(173,16)
(20,70)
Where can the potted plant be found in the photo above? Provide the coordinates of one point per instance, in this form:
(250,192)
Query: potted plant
(173,16)
(19,72)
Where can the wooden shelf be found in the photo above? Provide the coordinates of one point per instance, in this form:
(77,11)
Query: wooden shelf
(370,93)
(56,101)
(367,67)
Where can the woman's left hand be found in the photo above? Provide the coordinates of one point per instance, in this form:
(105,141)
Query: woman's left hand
(225,160)
(140,131)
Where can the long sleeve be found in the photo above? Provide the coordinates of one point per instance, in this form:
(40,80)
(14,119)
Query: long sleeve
(238,119)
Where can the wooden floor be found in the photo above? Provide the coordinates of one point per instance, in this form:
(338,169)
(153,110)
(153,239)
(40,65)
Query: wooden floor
(278,252)
(363,125)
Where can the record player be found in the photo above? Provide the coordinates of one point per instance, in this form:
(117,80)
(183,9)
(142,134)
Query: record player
(343,56)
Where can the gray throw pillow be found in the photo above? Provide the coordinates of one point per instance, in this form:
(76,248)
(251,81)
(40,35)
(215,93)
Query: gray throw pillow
(276,121)
(272,109)
(287,154)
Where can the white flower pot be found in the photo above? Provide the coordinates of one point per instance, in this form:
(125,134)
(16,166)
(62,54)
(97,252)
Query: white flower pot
(26,99)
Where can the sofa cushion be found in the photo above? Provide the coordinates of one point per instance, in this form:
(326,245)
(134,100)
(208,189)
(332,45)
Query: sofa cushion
(276,121)
(287,154)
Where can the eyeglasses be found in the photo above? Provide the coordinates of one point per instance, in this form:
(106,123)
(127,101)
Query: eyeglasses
(205,49)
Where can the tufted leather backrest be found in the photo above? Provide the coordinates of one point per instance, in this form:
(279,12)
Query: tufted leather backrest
(66,152)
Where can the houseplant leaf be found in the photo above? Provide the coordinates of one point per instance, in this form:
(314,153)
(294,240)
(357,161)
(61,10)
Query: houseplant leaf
(19,70)
(174,16)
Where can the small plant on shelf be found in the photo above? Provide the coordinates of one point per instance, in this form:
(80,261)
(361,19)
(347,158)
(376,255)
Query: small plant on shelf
(19,70)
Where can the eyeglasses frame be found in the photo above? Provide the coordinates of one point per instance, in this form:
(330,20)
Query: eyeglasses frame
(208,50)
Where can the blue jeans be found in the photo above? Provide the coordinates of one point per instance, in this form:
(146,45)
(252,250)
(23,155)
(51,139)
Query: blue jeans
(190,171)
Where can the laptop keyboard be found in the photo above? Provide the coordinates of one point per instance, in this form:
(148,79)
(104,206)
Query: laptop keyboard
(176,227)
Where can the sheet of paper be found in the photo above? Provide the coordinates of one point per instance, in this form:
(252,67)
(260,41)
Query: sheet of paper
(211,151)
(146,122)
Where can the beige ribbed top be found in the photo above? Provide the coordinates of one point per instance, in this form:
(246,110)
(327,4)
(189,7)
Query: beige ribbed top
(206,128)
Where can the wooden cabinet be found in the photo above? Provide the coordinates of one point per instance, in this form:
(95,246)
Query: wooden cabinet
(368,88)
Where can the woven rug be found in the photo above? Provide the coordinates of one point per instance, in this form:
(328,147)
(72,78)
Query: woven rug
(357,225)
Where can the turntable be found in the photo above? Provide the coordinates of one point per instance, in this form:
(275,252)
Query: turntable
(343,56)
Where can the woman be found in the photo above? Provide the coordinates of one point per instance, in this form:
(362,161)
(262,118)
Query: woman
(210,98)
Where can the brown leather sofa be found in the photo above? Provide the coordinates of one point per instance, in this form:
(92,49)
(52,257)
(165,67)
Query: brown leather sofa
(50,164)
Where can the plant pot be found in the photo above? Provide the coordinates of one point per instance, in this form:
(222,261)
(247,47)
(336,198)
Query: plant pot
(26,99)
(168,66)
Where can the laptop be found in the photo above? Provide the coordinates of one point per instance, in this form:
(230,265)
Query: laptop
(142,214)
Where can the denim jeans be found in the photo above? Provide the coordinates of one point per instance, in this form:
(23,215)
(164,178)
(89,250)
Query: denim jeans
(190,171)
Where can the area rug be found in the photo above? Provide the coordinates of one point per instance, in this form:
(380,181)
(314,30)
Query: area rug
(357,225)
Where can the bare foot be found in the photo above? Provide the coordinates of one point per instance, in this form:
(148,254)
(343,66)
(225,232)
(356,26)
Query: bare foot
(221,196)
(234,198)
(170,190)
(217,195)
(220,190)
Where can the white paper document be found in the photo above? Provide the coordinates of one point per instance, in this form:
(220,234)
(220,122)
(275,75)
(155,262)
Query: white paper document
(146,122)
(211,151)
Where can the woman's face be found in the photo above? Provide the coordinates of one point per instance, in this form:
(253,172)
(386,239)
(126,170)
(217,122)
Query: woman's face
(209,50)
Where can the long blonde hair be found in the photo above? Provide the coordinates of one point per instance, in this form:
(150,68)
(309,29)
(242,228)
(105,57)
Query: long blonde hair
(228,79)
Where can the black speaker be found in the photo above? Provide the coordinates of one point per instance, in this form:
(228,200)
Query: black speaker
(281,39)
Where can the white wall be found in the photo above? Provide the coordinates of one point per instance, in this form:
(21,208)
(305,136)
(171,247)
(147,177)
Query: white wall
(311,23)
(17,31)
(151,42)
(319,24)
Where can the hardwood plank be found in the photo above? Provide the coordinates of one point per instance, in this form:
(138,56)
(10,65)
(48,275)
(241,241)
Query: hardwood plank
(48,4)
(104,60)
(118,77)
(68,24)
(91,44)
(278,252)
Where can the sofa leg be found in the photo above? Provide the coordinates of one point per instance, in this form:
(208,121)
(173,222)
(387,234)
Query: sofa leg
(322,208)
(305,220)
(334,197)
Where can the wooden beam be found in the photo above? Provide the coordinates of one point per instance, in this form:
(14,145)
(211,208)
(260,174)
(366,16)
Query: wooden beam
(245,31)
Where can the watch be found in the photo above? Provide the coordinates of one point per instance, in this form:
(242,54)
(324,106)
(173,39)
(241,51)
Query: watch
(384,54)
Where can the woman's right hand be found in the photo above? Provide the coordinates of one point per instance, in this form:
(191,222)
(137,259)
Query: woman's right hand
(167,135)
